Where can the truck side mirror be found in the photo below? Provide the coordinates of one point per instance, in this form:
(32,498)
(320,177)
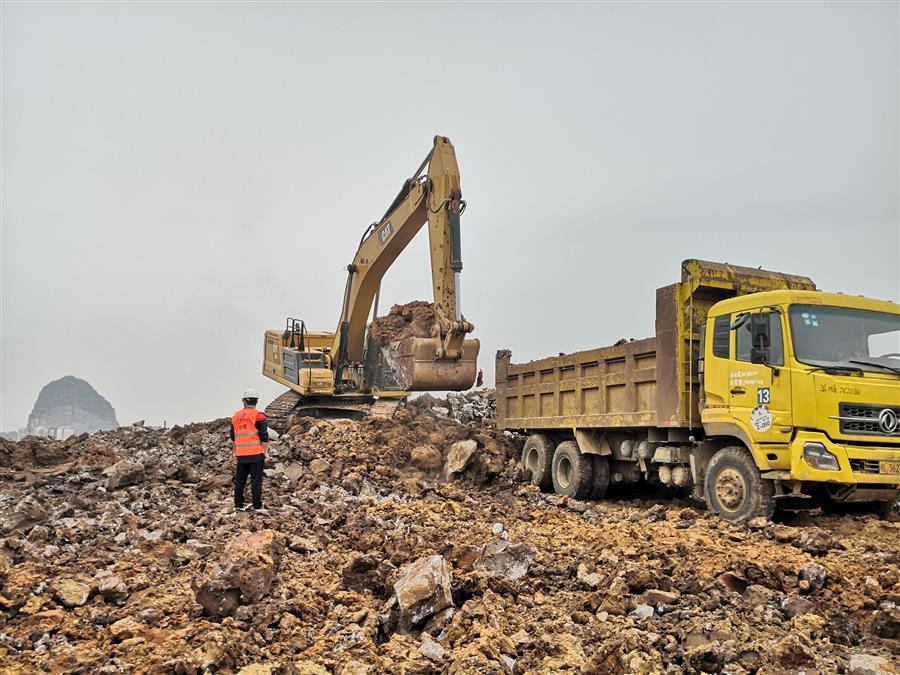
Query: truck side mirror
(760,338)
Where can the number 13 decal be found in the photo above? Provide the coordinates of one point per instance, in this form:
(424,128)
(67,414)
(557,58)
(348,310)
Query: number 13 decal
(763,396)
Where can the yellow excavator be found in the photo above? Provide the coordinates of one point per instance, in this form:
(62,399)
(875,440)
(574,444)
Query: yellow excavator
(348,374)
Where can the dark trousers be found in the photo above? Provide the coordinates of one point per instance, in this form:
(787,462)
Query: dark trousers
(255,471)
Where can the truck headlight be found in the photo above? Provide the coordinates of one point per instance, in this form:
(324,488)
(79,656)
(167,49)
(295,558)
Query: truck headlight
(818,457)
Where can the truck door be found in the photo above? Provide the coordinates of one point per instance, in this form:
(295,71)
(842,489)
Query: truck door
(760,393)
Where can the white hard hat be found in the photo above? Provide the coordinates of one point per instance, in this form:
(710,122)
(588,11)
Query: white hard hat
(249,393)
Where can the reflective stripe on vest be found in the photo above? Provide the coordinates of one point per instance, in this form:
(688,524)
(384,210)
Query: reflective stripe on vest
(246,436)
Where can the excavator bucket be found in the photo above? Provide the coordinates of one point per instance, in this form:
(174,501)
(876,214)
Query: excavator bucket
(416,369)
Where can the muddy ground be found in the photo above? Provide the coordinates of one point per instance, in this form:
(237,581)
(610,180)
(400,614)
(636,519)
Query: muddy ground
(108,540)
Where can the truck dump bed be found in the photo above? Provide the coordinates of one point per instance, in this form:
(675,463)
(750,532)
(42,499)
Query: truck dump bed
(607,387)
(642,383)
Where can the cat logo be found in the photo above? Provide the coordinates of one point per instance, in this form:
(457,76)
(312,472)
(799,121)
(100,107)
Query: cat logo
(385,232)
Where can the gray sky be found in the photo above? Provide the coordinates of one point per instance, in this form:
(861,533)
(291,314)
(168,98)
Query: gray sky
(177,178)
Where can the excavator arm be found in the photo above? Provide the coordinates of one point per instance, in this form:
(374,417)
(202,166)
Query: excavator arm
(447,359)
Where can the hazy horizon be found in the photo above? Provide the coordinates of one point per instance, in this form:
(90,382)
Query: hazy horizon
(179,178)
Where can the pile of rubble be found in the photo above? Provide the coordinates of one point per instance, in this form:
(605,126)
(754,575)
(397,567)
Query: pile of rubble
(410,545)
(476,405)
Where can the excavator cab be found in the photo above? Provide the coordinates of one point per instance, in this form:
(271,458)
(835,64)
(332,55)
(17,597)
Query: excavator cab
(300,358)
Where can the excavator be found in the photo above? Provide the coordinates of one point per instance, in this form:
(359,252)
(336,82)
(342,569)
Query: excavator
(347,373)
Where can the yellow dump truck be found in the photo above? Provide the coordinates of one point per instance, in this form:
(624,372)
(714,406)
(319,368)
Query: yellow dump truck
(757,390)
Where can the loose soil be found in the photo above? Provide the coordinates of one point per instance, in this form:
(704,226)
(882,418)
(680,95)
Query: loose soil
(105,539)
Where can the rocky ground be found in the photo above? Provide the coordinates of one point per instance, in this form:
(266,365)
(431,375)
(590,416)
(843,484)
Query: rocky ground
(411,546)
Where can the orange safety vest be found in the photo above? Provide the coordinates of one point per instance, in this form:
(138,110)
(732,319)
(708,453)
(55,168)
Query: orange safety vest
(246,436)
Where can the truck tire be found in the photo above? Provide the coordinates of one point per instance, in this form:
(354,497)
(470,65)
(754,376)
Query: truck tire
(734,489)
(572,471)
(600,482)
(890,511)
(537,460)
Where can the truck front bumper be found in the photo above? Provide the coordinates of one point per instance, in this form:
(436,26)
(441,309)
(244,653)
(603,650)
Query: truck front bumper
(857,465)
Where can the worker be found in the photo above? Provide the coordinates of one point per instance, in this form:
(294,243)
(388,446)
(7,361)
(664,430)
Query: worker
(250,434)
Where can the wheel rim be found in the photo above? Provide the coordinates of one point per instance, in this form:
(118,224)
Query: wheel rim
(532,459)
(731,489)
(564,472)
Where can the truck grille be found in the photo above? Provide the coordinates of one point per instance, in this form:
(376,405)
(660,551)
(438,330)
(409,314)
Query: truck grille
(865,466)
(856,418)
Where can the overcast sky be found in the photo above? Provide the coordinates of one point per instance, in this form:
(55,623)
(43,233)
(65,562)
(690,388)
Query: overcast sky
(178,178)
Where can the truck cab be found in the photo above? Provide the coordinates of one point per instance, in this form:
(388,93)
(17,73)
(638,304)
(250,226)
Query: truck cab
(809,382)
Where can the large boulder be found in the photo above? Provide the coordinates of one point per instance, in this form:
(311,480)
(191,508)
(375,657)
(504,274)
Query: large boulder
(886,623)
(871,664)
(426,457)
(111,587)
(500,558)
(814,575)
(124,473)
(244,575)
(458,456)
(25,516)
(423,590)
(71,593)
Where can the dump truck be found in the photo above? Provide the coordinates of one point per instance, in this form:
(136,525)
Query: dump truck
(757,390)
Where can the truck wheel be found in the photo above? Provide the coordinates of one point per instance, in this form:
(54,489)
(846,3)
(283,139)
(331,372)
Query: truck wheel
(537,460)
(735,490)
(572,471)
(600,482)
(890,511)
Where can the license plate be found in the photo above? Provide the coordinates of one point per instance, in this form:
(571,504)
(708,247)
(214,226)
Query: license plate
(890,467)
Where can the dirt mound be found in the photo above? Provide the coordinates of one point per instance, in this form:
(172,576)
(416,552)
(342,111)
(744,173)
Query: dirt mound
(381,450)
(409,545)
(414,319)
(39,453)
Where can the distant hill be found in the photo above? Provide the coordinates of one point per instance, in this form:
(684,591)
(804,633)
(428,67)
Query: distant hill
(68,406)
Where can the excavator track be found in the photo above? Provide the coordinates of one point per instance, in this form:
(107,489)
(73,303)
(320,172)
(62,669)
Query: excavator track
(280,411)
(385,407)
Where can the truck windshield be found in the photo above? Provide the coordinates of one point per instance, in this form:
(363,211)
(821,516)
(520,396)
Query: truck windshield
(839,336)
